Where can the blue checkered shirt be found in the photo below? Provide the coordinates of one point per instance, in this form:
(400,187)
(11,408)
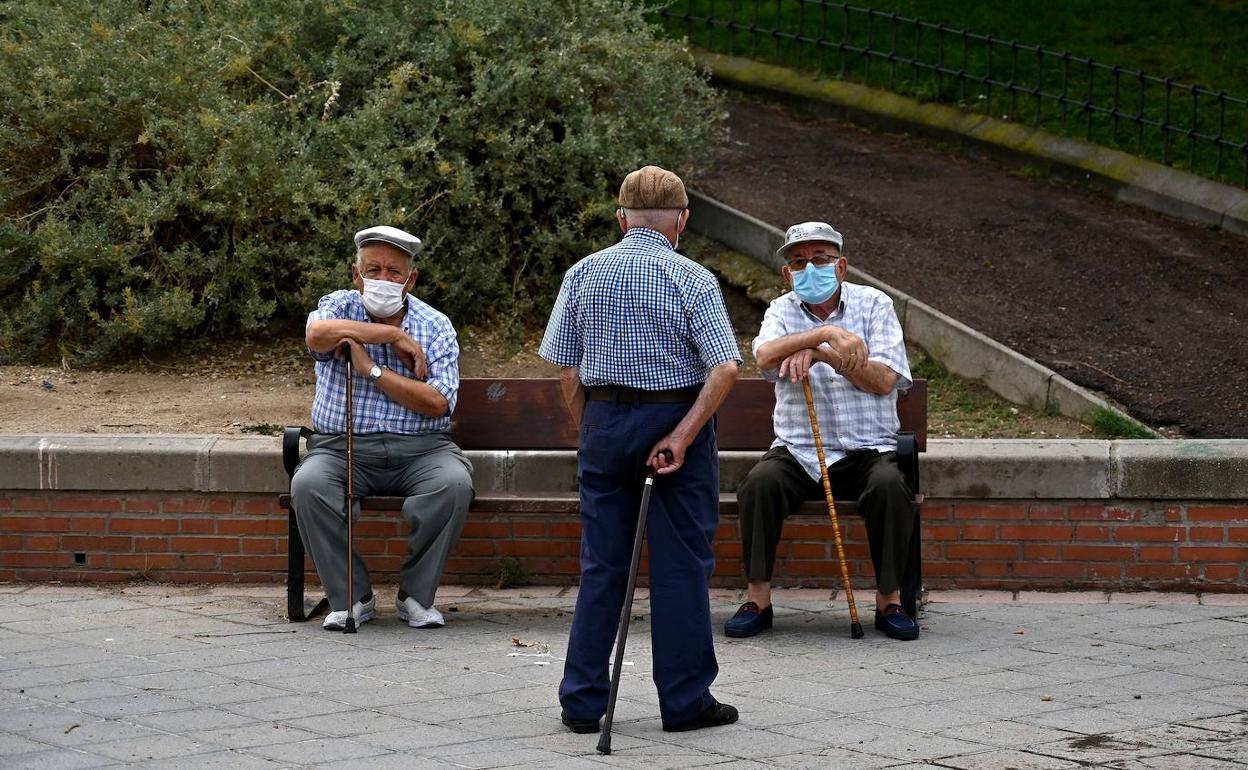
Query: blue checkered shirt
(849,418)
(639,315)
(374,411)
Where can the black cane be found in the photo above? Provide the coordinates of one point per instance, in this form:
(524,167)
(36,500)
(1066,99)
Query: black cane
(349,628)
(604,740)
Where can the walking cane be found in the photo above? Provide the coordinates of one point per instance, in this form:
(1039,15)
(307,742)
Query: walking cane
(349,628)
(604,739)
(855,628)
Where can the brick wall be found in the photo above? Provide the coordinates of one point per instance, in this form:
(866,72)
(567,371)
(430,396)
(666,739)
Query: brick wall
(241,538)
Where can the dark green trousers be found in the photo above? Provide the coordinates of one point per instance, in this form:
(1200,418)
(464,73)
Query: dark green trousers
(777,485)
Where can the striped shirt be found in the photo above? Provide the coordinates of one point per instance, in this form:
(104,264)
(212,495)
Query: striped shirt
(639,315)
(374,411)
(849,418)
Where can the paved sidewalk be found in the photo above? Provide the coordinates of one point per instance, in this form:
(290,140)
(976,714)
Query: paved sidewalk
(173,676)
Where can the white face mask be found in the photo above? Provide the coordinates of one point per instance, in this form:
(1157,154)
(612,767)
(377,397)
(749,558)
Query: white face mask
(382,299)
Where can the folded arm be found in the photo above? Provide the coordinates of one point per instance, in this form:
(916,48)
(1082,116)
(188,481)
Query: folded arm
(420,397)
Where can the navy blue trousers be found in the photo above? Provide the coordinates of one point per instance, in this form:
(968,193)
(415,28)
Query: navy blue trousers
(684,513)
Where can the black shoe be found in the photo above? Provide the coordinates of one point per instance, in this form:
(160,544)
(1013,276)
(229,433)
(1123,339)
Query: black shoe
(748,621)
(716,715)
(579,725)
(895,623)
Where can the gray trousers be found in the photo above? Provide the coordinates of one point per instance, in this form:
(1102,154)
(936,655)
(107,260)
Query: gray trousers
(429,470)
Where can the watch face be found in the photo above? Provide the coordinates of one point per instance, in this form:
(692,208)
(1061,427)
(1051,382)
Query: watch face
(374,373)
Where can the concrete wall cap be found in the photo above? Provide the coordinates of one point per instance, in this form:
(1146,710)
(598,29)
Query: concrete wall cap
(952,468)
(1197,469)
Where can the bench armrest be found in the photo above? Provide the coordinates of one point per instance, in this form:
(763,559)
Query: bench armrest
(290,446)
(908,460)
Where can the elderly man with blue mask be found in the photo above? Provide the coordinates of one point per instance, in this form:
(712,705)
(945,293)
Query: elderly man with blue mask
(844,338)
(406,360)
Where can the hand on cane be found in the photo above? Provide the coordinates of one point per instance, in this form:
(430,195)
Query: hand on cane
(668,455)
(360,359)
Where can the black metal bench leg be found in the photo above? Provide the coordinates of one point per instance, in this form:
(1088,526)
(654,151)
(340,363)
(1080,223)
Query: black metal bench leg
(294,571)
(296,610)
(912,578)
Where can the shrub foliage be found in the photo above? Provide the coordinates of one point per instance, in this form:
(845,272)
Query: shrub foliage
(195,168)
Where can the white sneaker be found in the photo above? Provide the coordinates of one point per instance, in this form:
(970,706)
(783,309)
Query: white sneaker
(417,616)
(337,621)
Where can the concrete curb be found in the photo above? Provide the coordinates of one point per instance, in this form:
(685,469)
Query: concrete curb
(1131,179)
(963,351)
(981,469)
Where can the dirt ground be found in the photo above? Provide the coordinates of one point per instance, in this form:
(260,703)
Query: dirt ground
(1146,309)
(1149,310)
(224,389)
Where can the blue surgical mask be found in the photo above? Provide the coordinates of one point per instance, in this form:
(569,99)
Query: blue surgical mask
(815,284)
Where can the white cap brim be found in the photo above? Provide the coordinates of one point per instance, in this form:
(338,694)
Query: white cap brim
(400,239)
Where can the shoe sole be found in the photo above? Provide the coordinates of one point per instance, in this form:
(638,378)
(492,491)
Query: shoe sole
(898,636)
(403,616)
(361,620)
(742,633)
(902,637)
(699,724)
(582,728)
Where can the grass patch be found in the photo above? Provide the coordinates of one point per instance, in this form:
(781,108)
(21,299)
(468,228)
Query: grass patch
(1109,424)
(263,428)
(960,408)
(511,573)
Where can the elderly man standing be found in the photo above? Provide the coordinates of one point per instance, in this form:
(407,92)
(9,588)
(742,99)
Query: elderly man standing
(648,355)
(406,359)
(846,339)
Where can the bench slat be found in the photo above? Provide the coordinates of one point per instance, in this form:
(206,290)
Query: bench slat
(514,414)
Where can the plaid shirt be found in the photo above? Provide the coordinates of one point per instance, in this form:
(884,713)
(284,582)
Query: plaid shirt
(374,411)
(639,315)
(849,418)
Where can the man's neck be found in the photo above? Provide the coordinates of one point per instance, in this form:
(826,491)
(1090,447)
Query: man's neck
(825,308)
(669,234)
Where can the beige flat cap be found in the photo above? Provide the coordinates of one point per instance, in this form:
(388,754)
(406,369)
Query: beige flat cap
(651,187)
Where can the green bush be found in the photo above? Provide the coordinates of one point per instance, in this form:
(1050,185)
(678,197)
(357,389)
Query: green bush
(196,169)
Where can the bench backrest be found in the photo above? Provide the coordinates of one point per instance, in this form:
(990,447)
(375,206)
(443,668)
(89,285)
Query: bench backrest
(529,414)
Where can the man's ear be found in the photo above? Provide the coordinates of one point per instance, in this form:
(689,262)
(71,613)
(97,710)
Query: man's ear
(681,225)
(411,281)
(787,274)
(356,281)
(621,220)
(842,268)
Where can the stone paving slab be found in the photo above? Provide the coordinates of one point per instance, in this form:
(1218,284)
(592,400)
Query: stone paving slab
(173,676)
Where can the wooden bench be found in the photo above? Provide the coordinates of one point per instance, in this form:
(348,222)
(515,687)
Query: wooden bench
(528,414)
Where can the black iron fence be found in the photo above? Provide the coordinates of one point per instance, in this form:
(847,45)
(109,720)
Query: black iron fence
(1179,124)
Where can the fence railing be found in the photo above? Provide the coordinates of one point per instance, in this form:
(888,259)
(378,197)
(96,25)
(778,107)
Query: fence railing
(1179,124)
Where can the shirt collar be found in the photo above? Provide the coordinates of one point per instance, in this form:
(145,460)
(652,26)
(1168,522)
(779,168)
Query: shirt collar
(647,234)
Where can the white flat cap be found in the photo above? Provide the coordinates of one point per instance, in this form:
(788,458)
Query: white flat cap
(809,231)
(400,239)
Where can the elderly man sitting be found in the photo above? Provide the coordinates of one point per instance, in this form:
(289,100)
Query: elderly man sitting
(406,358)
(846,339)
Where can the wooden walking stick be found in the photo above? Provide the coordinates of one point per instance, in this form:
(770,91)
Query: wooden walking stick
(855,628)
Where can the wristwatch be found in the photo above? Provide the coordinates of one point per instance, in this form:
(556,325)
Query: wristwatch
(374,374)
